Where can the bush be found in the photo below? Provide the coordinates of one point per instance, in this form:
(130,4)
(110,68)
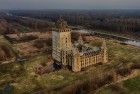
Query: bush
(84,87)
(123,71)
(40,43)
(74,36)
(6,52)
(135,66)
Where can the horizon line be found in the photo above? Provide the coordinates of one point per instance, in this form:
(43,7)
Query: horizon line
(74,9)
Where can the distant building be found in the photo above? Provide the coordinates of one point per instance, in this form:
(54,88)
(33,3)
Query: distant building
(77,55)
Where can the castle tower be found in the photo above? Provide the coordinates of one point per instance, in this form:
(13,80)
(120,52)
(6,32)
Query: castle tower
(61,41)
(105,55)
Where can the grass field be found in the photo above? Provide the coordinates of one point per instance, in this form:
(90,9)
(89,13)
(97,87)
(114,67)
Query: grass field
(6,49)
(24,80)
(130,86)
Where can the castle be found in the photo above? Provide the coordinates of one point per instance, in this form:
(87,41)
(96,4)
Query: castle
(78,55)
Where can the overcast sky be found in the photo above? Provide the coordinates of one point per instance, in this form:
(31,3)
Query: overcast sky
(69,4)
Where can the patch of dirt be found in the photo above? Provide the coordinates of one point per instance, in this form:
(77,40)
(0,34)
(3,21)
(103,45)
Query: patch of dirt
(39,34)
(26,49)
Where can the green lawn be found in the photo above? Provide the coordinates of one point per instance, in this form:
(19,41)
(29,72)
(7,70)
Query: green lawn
(132,85)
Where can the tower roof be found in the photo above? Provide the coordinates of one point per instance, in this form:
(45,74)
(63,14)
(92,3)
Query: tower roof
(61,23)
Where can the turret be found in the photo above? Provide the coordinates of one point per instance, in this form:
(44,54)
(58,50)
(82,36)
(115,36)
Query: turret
(61,24)
(61,40)
(76,65)
(104,49)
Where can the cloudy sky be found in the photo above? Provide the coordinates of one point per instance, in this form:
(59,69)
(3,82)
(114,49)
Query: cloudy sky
(69,4)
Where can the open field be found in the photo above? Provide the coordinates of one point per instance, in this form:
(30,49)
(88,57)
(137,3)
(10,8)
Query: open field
(23,78)
(27,41)
(130,86)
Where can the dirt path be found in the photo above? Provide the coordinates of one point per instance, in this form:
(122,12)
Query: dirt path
(8,61)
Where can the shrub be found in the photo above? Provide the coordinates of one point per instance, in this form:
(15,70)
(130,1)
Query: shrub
(84,87)
(74,36)
(6,52)
(123,71)
(40,43)
(135,66)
